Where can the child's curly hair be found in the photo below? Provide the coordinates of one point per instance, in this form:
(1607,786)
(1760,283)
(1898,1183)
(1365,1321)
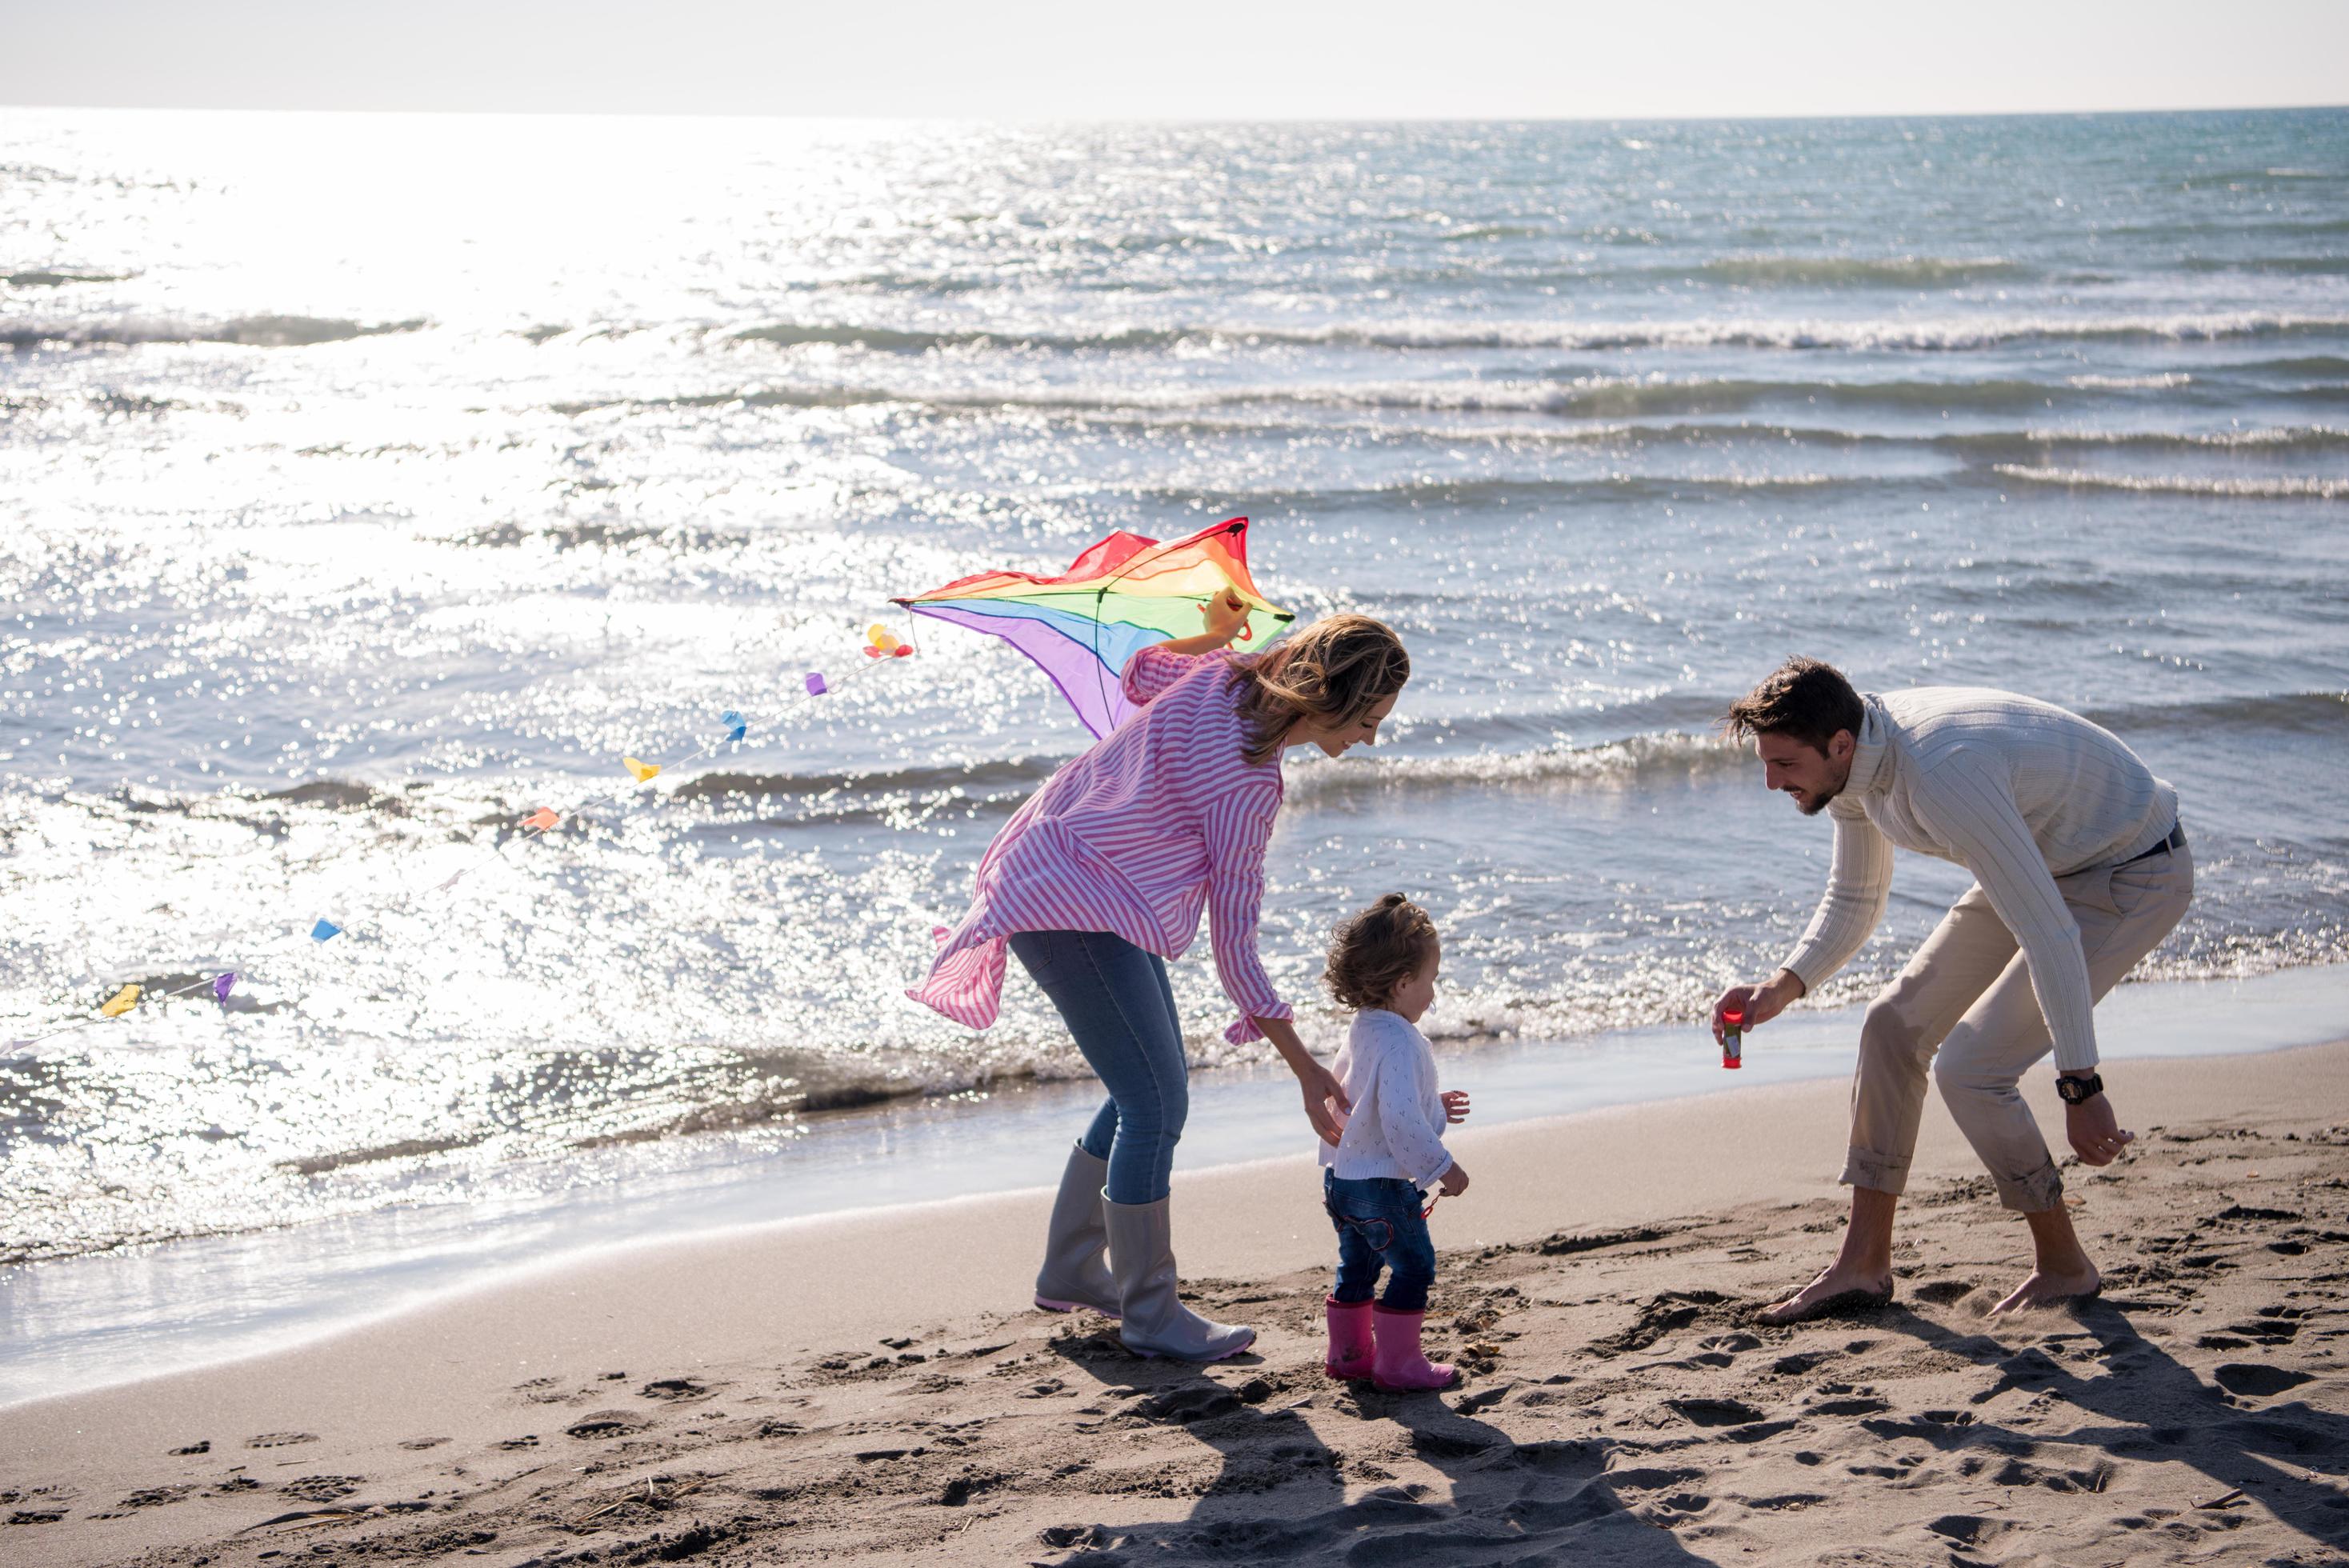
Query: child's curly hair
(1376,951)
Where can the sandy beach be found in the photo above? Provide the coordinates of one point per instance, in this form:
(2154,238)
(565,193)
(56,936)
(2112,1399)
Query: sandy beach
(871,1388)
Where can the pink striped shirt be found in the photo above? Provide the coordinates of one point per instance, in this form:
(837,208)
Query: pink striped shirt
(1162,816)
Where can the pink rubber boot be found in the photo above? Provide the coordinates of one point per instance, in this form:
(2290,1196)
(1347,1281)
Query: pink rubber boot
(1399,1367)
(1350,1340)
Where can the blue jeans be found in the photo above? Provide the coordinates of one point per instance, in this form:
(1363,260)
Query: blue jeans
(1116,1001)
(1379,1226)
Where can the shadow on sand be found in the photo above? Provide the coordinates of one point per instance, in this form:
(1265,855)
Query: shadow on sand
(1280,1494)
(2156,1409)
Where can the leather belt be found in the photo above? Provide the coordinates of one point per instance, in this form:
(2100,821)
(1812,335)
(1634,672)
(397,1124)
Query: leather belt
(2177,841)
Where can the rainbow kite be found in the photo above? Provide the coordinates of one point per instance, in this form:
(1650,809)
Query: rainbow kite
(1124,593)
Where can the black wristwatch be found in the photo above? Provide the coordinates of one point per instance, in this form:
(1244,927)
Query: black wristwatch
(2079,1090)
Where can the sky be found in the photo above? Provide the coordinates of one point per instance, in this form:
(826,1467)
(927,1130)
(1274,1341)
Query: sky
(1214,59)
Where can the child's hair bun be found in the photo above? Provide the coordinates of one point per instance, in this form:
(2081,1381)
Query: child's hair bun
(1374,952)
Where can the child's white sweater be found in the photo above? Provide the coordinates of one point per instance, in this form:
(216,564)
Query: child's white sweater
(1394,1130)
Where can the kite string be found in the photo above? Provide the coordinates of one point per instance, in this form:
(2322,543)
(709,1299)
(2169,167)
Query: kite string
(818,685)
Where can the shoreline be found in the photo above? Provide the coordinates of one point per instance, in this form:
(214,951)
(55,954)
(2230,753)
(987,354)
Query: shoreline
(102,1320)
(739,1335)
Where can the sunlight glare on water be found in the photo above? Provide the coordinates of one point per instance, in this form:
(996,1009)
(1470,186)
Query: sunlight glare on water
(371,481)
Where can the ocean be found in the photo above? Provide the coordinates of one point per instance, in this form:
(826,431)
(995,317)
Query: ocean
(370,481)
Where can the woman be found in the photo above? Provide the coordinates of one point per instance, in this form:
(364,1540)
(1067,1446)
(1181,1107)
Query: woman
(1102,877)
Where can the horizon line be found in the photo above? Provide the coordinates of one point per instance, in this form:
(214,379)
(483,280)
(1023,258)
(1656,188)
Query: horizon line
(1397,118)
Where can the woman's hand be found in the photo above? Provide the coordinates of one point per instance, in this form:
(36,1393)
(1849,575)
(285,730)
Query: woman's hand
(1455,1105)
(1455,1181)
(1326,1104)
(1227,617)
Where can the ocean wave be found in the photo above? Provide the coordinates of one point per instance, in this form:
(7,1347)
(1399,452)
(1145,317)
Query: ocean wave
(2279,489)
(1592,397)
(1615,764)
(1581,397)
(45,279)
(2160,381)
(1416,493)
(2276,441)
(2328,365)
(246,332)
(2288,266)
(1892,271)
(983,777)
(1927,336)
(2299,712)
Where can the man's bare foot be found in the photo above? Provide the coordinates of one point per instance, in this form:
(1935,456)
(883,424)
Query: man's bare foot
(2049,1287)
(1839,1287)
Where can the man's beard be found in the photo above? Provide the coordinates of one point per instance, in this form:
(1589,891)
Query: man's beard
(1811,805)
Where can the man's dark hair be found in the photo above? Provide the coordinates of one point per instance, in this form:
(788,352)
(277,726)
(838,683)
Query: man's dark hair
(1802,698)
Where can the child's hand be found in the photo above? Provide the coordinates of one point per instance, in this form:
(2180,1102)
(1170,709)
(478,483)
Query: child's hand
(1455,1181)
(1455,1105)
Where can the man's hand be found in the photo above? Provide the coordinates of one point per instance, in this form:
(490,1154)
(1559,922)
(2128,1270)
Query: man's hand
(1759,1003)
(1323,1090)
(2095,1131)
(1455,1105)
(1455,1181)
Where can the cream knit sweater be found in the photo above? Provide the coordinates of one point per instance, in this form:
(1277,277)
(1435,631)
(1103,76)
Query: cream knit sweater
(2019,793)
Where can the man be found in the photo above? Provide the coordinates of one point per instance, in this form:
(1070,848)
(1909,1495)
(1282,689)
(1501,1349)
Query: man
(2080,870)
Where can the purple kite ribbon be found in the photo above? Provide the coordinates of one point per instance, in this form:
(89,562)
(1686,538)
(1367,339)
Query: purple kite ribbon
(815,684)
(223,985)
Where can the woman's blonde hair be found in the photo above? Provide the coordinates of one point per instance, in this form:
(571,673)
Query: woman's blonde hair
(1334,672)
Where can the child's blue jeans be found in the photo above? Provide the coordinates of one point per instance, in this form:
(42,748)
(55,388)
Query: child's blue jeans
(1379,1226)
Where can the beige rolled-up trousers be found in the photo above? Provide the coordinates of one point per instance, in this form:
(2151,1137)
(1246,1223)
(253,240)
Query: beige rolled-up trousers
(1967,995)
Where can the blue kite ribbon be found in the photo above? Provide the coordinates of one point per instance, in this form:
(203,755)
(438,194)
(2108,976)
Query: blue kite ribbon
(736,729)
(324,931)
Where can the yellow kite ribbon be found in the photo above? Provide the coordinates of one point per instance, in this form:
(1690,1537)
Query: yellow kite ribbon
(643,770)
(122,1002)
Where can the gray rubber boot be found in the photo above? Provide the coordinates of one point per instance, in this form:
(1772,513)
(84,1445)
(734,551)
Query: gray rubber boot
(1142,1255)
(1073,1274)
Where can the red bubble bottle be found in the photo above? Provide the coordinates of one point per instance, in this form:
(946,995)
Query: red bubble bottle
(1733,1050)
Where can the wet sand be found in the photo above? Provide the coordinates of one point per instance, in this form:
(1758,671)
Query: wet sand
(871,1388)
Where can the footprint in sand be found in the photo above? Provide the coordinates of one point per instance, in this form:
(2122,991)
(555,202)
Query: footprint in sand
(280,1440)
(203,1447)
(2255,1380)
(422,1442)
(606,1424)
(2021,1472)
(1969,1529)
(322,1488)
(1943,1292)
(1715,1412)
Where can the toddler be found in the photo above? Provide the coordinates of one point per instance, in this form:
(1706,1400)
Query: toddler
(1383,964)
